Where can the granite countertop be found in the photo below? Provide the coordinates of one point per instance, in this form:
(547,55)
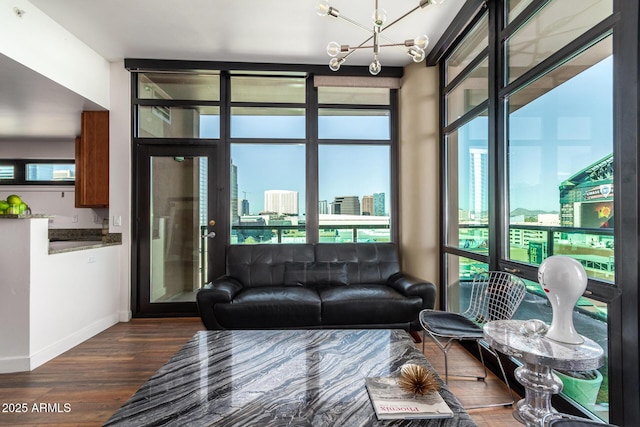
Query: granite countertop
(63,240)
(26,216)
(60,246)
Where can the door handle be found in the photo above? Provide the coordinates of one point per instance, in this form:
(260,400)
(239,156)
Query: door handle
(210,235)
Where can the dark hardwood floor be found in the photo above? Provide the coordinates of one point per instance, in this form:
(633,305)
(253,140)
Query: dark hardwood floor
(86,385)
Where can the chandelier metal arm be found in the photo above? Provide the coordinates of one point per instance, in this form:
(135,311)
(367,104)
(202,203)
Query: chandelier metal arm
(401,18)
(357,24)
(394,43)
(404,44)
(352,49)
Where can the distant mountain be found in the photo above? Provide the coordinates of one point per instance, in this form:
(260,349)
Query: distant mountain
(527,212)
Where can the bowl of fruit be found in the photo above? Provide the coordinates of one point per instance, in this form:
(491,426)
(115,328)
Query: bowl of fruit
(14,205)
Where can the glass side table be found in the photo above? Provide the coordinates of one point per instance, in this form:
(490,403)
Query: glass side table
(539,356)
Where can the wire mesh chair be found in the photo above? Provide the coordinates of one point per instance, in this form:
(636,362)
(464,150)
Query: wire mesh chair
(495,295)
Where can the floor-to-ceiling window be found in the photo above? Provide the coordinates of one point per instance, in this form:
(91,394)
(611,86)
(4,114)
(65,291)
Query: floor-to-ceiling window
(268,146)
(530,163)
(355,155)
(346,133)
(232,154)
(466,144)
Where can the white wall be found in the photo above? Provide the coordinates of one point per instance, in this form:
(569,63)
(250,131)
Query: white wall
(120,177)
(58,201)
(49,303)
(41,44)
(73,296)
(419,173)
(38,149)
(15,264)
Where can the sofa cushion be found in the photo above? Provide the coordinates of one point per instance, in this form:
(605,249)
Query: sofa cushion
(263,265)
(270,307)
(315,274)
(367,263)
(367,304)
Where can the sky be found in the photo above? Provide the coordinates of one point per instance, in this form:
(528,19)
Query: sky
(344,170)
(551,138)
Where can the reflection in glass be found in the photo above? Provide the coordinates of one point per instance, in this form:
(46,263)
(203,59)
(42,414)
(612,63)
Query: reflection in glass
(471,92)
(354,124)
(561,164)
(50,172)
(7,172)
(178,251)
(353,95)
(178,122)
(267,193)
(556,25)
(267,89)
(354,193)
(475,42)
(179,86)
(515,7)
(258,122)
(468,186)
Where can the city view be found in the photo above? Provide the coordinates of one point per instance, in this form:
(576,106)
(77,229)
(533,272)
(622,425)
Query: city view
(561,188)
(268,204)
(559,196)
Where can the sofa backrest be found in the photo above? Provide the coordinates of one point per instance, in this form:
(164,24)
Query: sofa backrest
(370,263)
(263,265)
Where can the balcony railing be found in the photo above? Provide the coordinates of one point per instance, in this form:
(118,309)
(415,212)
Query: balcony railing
(592,247)
(251,234)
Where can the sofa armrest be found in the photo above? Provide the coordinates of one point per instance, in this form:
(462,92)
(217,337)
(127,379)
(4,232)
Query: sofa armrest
(220,291)
(411,286)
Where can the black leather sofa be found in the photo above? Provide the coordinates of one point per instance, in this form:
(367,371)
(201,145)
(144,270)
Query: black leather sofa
(306,286)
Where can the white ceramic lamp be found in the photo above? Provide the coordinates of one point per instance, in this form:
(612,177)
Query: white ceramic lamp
(563,280)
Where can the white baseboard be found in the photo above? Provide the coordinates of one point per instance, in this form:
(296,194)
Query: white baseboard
(29,363)
(125,315)
(14,364)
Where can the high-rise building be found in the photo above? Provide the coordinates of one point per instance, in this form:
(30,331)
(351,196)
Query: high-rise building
(323,207)
(479,184)
(282,202)
(234,193)
(40,173)
(367,205)
(346,205)
(379,204)
(245,207)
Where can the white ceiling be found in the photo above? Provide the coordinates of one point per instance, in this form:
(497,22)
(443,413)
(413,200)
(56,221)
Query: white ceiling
(278,31)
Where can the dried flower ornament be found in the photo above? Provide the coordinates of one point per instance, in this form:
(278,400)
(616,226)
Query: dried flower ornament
(418,379)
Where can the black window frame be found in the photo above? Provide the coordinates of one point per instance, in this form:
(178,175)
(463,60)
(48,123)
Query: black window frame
(20,169)
(621,296)
(311,105)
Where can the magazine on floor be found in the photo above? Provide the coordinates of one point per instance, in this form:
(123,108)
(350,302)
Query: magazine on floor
(390,402)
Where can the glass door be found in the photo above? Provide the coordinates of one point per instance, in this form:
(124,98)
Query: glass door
(177,223)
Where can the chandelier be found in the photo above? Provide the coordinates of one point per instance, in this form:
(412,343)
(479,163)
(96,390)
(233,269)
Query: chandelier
(340,52)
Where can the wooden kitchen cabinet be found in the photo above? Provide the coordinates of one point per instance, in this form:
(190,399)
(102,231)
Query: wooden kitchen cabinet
(92,161)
